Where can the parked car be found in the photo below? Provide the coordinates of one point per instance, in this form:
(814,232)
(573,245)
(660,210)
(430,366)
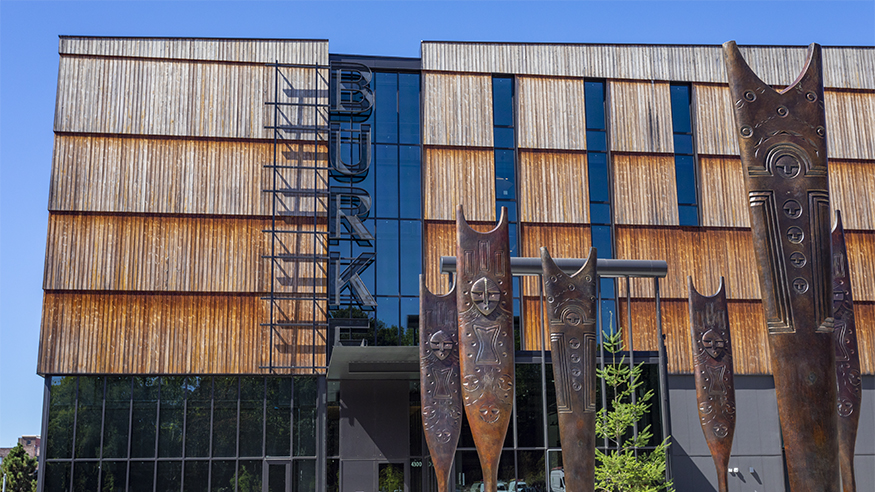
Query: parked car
(518,486)
(557,480)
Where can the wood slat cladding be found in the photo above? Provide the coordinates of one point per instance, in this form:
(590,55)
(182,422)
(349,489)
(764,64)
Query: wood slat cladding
(178,176)
(640,117)
(861,260)
(551,113)
(715,126)
(851,185)
(553,187)
(645,189)
(440,240)
(724,200)
(746,320)
(457,110)
(706,255)
(298,52)
(182,98)
(849,124)
(561,240)
(533,325)
(100,333)
(864,312)
(171,254)
(459,176)
(852,67)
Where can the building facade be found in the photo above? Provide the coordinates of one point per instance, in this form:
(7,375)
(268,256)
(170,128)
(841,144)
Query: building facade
(237,229)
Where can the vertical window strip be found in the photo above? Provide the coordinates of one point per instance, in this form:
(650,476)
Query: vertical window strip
(685,155)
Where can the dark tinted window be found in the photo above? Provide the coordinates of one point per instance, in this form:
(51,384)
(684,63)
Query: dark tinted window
(502,101)
(594,100)
(680,109)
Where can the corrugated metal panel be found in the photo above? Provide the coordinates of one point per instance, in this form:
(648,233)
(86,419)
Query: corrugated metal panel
(176,176)
(553,187)
(723,199)
(852,190)
(850,124)
(88,333)
(459,176)
(171,254)
(203,99)
(852,67)
(301,52)
(551,114)
(561,240)
(705,254)
(645,189)
(715,126)
(640,114)
(457,110)
(861,259)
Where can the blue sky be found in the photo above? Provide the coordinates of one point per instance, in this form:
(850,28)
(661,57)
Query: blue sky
(28,79)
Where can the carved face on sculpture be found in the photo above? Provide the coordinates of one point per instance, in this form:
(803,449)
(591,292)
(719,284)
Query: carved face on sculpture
(440,344)
(713,343)
(485,294)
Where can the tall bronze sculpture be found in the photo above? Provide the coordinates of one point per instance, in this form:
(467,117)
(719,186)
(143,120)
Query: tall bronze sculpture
(783,144)
(571,309)
(485,303)
(848,374)
(440,385)
(715,382)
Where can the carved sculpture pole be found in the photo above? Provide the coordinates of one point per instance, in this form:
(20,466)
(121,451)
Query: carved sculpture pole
(847,357)
(571,309)
(485,303)
(439,379)
(782,139)
(715,386)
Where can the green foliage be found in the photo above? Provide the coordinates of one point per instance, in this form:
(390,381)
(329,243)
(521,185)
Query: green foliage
(391,477)
(20,470)
(621,469)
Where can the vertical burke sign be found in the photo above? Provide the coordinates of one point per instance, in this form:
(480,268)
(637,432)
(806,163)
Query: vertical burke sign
(350,160)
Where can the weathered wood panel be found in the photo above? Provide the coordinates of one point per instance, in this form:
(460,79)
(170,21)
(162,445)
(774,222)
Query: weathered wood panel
(173,98)
(440,240)
(173,254)
(533,326)
(850,124)
(457,110)
(715,126)
(852,67)
(298,51)
(562,240)
(645,189)
(746,320)
(553,187)
(640,114)
(551,113)
(179,176)
(851,186)
(705,254)
(723,198)
(861,260)
(459,176)
(864,312)
(87,333)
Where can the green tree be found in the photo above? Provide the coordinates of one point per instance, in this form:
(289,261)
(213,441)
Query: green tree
(19,470)
(625,468)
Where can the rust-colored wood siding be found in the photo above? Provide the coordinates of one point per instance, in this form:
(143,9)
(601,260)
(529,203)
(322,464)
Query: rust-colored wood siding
(561,240)
(852,190)
(551,113)
(177,176)
(851,67)
(553,187)
(645,189)
(723,200)
(457,110)
(454,177)
(181,98)
(715,124)
(850,124)
(440,240)
(122,333)
(640,114)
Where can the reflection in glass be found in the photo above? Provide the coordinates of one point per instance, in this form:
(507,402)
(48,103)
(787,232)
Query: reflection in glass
(683,144)
(197,416)
(305,476)
(415,419)
(169,475)
(279,415)
(172,416)
(680,109)
(552,413)
(116,418)
(688,215)
(529,414)
(332,475)
(600,213)
(391,477)
(503,138)
(411,256)
(601,239)
(505,175)
(408,110)
(386,114)
(225,416)
(251,416)
(502,101)
(387,329)
(609,317)
(387,257)
(276,478)
(249,476)
(594,101)
(88,418)
(197,476)
(223,476)
(409,321)
(142,476)
(57,476)
(410,187)
(305,401)
(685,174)
(386,193)
(530,470)
(85,474)
(596,141)
(114,475)
(332,431)
(599,183)
(62,408)
(144,416)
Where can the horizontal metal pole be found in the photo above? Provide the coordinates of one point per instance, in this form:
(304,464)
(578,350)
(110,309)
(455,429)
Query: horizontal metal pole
(604,267)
